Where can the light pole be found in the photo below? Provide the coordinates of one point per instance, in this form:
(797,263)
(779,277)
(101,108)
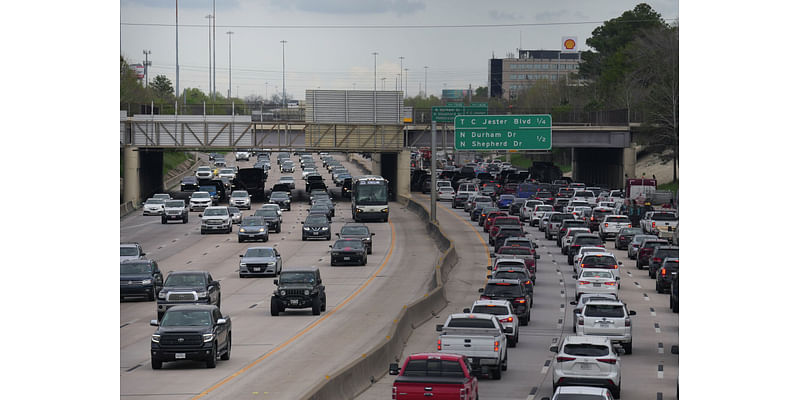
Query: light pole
(146,64)
(383,83)
(266,92)
(229,33)
(375,78)
(283,43)
(405,94)
(426,81)
(401,73)
(210,88)
(177,70)
(214,41)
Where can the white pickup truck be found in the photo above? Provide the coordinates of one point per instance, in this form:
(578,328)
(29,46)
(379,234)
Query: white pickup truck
(479,337)
(611,225)
(655,221)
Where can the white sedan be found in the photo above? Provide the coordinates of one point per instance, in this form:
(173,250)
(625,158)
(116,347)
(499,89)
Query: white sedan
(153,207)
(227,172)
(445,193)
(595,281)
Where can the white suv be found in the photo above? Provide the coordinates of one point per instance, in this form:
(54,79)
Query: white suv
(240,199)
(527,210)
(608,318)
(504,313)
(587,361)
(204,172)
(199,200)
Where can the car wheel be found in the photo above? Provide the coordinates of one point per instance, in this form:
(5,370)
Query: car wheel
(329,237)
(211,361)
(155,364)
(241,276)
(332,263)
(227,355)
(369,250)
(615,392)
(163,220)
(652,274)
(202,231)
(628,348)
(241,240)
(274,307)
(304,238)
(186,219)
(512,342)
(152,295)
(324,304)
(159,315)
(659,289)
(497,373)
(279,229)
(638,266)
(316,304)
(230,228)
(674,306)
(364,261)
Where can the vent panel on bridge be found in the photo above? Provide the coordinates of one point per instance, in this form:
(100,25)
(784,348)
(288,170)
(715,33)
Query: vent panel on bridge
(354,107)
(350,137)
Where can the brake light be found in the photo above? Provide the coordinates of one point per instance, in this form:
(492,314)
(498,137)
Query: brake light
(509,319)
(520,300)
(584,283)
(627,321)
(580,320)
(629,225)
(439,344)
(496,346)
(608,360)
(592,219)
(606,225)
(394,392)
(563,359)
(616,266)
(527,282)
(654,224)
(485,298)
(463,394)
(610,283)
(657,259)
(663,272)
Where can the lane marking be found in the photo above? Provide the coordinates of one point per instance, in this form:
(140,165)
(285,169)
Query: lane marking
(660,371)
(652,311)
(658,328)
(660,348)
(308,328)
(546,367)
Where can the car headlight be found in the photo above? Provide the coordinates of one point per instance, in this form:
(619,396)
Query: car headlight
(261,229)
(283,293)
(242,230)
(306,292)
(156,338)
(306,228)
(243,265)
(202,295)
(147,282)
(324,228)
(162,294)
(385,210)
(207,337)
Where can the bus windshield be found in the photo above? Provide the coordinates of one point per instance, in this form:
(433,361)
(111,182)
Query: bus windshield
(371,194)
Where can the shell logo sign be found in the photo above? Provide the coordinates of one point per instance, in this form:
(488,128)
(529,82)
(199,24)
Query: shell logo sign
(569,44)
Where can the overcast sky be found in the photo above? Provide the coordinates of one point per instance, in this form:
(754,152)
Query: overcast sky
(337,58)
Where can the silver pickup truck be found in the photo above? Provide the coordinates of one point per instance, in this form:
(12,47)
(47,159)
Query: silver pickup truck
(655,221)
(479,337)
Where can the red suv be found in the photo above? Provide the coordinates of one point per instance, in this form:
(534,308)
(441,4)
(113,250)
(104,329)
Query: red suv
(646,250)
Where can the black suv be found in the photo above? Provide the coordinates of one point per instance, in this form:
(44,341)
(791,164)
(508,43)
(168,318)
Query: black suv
(513,291)
(625,236)
(357,231)
(139,278)
(191,332)
(188,287)
(348,251)
(507,232)
(298,288)
(316,226)
(665,274)
(660,253)
(272,218)
(460,199)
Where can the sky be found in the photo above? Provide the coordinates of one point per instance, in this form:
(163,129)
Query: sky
(318,56)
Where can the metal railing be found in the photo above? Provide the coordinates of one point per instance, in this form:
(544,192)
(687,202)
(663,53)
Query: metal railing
(259,112)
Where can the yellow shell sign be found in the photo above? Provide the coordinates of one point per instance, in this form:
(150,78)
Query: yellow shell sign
(569,44)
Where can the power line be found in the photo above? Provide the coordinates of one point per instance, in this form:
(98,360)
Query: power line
(394,26)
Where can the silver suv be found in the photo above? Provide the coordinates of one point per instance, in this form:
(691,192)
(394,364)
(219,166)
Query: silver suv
(240,199)
(216,219)
(587,361)
(608,318)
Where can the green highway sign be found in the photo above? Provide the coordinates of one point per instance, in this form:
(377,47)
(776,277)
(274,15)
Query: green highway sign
(476,104)
(504,132)
(448,113)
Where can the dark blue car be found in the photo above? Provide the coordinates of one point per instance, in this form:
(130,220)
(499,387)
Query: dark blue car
(505,200)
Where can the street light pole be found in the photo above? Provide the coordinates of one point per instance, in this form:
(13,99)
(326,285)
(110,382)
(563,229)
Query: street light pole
(401,73)
(146,64)
(214,41)
(426,81)
(375,78)
(210,88)
(406,91)
(283,43)
(383,83)
(177,70)
(229,33)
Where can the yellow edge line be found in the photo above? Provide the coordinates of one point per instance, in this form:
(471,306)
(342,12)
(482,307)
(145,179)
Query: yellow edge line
(304,331)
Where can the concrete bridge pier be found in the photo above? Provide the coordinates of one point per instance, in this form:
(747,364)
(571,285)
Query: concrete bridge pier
(130,175)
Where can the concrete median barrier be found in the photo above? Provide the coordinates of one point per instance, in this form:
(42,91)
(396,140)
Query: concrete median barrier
(357,376)
(126,208)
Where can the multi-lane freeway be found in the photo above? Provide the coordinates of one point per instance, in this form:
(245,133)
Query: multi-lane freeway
(282,357)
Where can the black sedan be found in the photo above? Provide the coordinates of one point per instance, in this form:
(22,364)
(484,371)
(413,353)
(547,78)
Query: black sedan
(348,251)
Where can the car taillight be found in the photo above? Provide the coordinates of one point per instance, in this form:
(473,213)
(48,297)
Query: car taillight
(580,320)
(656,259)
(563,359)
(439,344)
(663,272)
(592,219)
(527,282)
(610,283)
(606,225)
(654,224)
(520,300)
(629,225)
(608,360)
(485,298)
(509,319)
(627,322)
(616,266)
(394,393)
(463,394)
(584,283)
(496,346)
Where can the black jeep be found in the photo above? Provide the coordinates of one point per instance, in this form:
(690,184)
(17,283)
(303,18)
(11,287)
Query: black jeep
(298,288)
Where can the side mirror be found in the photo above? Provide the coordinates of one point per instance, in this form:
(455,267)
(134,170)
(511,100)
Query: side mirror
(573,303)
(154,322)
(330,245)
(439,327)
(489,276)
(144,254)
(538,256)
(466,310)
(554,349)
(275,282)
(631,312)
(337,235)
(674,349)
(394,369)
(489,267)
(574,276)
(619,350)
(241,255)
(222,321)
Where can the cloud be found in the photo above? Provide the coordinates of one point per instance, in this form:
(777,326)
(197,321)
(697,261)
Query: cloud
(504,16)
(398,7)
(551,16)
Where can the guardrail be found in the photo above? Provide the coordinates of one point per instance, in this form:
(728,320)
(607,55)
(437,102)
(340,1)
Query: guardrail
(358,375)
(175,180)
(126,208)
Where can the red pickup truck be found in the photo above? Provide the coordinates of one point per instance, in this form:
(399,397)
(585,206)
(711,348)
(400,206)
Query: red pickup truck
(437,375)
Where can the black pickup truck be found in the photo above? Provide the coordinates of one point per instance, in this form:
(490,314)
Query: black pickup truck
(252,180)
(315,182)
(191,332)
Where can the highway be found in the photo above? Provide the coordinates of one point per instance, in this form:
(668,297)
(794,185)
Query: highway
(274,357)
(649,373)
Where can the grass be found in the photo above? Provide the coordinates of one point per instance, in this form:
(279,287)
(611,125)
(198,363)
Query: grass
(520,161)
(173,158)
(672,186)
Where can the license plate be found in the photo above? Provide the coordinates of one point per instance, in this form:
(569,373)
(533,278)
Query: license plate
(294,302)
(180,356)
(252,236)
(586,366)
(596,284)
(346,258)
(256,269)
(316,233)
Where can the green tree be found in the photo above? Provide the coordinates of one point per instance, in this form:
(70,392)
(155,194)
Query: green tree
(162,88)
(130,88)
(482,91)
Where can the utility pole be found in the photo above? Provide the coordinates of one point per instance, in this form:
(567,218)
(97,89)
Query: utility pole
(210,88)
(283,43)
(177,70)
(406,92)
(229,33)
(214,40)
(147,63)
(426,81)
(401,73)
(266,92)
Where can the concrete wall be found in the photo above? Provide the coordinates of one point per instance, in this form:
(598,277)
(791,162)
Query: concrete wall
(599,166)
(404,174)
(130,192)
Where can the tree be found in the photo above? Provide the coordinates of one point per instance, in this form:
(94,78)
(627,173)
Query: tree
(162,88)
(482,91)
(130,88)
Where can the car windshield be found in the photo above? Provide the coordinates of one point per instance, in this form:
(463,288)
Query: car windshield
(175,203)
(506,197)
(233,210)
(239,193)
(185,280)
(604,261)
(296,277)
(278,196)
(667,253)
(588,240)
(341,244)
(266,213)
(604,310)
(200,195)
(630,231)
(502,290)
(215,212)
(596,274)
(584,194)
(618,219)
(511,275)
(286,179)
(470,323)
(642,238)
(187,318)
(579,396)
(204,169)
(490,309)
(134,268)
(586,350)
(260,252)
(506,221)
(226,171)
(519,251)
(154,201)
(252,222)
(375,194)
(316,219)
(128,251)
(355,230)
(665,216)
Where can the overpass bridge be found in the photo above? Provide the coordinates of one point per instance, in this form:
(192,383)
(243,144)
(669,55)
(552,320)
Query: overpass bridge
(601,154)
